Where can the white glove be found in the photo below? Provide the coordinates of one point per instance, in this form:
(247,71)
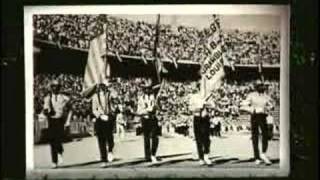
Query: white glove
(42,117)
(204,113)
(67,124)
(104,117)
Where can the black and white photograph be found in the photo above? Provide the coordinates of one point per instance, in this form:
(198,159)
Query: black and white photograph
(201,89)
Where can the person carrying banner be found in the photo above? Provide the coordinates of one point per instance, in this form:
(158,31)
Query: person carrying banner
(59,116)
(150,125)
(201,126)
(259,104)
(104,112)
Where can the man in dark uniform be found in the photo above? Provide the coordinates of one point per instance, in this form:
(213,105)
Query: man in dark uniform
(150,126)
(104,111)
(59,116)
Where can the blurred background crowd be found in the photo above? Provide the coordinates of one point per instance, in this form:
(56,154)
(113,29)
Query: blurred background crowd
(126,37)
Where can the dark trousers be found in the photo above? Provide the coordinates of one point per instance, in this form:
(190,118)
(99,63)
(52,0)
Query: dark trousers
(104,132)
(259,121)
(219,130)
(55,137)
(202,135)
(270,131)
(150,132)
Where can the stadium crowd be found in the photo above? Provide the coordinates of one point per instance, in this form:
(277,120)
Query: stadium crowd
(126,37)
(174,98)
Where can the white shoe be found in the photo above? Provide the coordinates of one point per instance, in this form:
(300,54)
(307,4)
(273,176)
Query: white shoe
(201,162)
(60,159)
(265,159)
(110,157)
(258,161)
(154,159)
(194,156)
(104,164)
(207,160)
(54,165)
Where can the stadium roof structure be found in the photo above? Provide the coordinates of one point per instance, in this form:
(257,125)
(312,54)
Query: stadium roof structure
(138,58)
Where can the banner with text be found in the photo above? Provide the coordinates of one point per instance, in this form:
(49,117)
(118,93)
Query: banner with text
(212,65)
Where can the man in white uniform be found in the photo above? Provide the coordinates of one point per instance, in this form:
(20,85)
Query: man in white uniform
(150,127)
(201,126)
(259,106)
(104,111)
(59,116)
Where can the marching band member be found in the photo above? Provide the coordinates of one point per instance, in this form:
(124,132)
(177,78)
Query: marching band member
(104,110)
(120,123)
(150,127)
(201,126)
(216,123)
(55,108)
(258,104)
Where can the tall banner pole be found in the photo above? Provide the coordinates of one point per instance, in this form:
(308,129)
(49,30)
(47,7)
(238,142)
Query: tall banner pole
(106,63)
(157,61)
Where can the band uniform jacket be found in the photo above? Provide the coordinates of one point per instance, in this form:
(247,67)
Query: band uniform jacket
(146,105)
(259,103)
(101,104)
(56,104)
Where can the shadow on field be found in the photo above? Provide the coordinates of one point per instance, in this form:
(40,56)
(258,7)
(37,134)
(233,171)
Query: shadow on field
(85,164)
(274,161)
(131,163)
(224,160)
(170,162)
(80,164)
(142,160)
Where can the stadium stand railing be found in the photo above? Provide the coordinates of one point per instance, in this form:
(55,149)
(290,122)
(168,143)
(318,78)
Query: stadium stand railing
(189,62)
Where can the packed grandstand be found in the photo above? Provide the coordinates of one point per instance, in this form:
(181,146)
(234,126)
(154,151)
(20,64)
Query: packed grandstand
(136,38)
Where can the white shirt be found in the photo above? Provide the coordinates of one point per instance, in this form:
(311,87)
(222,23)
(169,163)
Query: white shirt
(270,119)
(100,104)
(259,102)
(58,101)
(196,103)
(145,104)
(120,118)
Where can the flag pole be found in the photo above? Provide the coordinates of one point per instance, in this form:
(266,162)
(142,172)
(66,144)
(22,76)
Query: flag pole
(156,60)
(260,66)
(107,65)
